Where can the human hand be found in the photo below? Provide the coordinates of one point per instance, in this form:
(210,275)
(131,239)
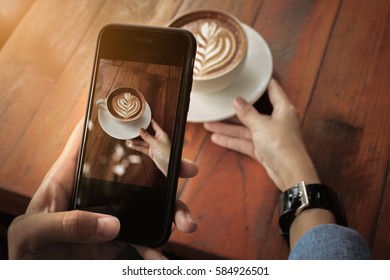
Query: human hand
(275,141)
(49,231)
(158,148)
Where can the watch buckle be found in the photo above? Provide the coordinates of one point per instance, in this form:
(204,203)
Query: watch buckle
(303,198)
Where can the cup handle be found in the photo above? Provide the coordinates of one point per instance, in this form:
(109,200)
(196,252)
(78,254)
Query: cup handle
(102,103)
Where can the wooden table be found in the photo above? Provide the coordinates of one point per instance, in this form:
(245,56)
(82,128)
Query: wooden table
(332,57)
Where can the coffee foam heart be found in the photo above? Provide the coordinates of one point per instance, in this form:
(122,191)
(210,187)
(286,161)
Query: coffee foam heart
(216,47)
(126,105)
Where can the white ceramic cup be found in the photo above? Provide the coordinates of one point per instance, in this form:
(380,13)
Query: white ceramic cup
(126,108)
(221,48)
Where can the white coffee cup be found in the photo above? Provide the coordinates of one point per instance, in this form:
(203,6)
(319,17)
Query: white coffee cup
(124,104)
(221,48)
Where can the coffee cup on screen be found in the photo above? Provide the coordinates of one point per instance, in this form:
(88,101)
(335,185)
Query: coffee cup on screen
(221,48)
(124,104)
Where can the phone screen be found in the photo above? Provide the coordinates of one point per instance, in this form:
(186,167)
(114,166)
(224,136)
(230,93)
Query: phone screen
(120,173)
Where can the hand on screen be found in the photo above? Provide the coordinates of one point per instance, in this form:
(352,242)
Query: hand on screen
(157,147)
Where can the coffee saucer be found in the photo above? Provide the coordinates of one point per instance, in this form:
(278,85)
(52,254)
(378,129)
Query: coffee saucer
(123,130)
(251,84)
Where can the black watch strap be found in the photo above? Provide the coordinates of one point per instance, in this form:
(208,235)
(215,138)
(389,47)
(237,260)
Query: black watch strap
(302,197)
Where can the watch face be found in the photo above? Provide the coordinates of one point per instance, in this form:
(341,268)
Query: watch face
(301,197)
(295,199)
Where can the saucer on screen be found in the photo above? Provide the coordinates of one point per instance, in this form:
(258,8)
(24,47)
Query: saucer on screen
(123,130)
(251,84)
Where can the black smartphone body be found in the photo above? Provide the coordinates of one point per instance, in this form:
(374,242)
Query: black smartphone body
(149,70)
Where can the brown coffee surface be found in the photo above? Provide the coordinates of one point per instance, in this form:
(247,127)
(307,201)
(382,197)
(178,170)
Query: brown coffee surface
(219,46)
(125,105)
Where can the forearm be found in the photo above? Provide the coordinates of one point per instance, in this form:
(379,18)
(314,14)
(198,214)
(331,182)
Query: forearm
(296,167)
(289,164)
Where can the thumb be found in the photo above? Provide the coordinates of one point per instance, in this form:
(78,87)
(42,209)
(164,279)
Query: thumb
(44,229)
(277,95)
(246,113)
(147,137)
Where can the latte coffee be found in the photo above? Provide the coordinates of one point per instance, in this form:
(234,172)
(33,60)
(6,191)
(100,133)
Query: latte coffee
(221,42)
(124,104)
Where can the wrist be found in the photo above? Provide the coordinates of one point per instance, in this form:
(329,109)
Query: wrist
(289,165)
(299,167)
(303,171)
(304,206)
(293,171)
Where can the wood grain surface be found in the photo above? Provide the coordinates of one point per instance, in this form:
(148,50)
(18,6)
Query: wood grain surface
(332,57)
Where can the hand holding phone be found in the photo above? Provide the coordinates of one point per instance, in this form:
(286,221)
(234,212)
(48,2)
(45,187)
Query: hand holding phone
(140,87)
(49,231)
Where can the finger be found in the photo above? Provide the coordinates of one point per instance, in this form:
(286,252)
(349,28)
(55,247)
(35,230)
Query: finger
(156,127)
(237,131)
(240,145)
(142,143)
(283,108)
(55,191)
(183,218)
(137,146)
(66,163)
(233,120)
(147,137)
(247,114)
(150,253)
(72,146)
(160,133)
(277,95)
(188,168)
(39,231)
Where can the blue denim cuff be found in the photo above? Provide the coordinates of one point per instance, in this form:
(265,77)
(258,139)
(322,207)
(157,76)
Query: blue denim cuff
(330,242)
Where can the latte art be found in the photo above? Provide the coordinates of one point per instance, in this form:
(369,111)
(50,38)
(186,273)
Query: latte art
(216,48)
(126,105)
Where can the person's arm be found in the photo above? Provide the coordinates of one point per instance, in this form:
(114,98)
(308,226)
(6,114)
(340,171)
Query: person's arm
(331,242)
(276,142)
(49,231)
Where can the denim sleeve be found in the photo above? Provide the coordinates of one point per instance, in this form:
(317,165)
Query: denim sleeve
(330,242)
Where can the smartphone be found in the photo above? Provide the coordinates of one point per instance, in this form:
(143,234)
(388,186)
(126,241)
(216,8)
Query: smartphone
(142,77)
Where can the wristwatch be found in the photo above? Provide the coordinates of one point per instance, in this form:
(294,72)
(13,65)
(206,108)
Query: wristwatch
(302,197)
